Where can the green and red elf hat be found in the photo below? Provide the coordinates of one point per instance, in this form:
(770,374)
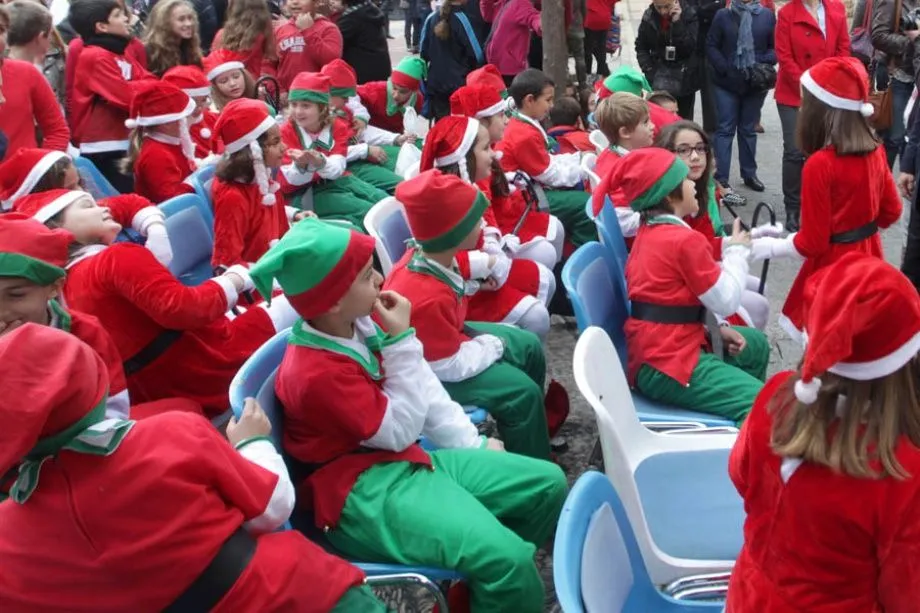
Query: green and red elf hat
(343,81)
(442,209)
(624,79)
(489,76)
(32,251)
(315,264)
(310,87)
(647,176)
(409,73)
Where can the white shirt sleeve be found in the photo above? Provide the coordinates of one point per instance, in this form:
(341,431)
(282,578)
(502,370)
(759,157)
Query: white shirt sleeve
(118,406)
(724,297)
(280,505)
(356,152)
(295,176)
(474,356)
(334,167)
(629,221)
(376,136)
(358,110)
(564,170)
(446,425)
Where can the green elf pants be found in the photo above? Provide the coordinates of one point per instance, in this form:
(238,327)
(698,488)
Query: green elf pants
(483,513)
(392,152)
(511,390)
(375,174)
(359,599)
(569,206)
(726,389)
(347,198)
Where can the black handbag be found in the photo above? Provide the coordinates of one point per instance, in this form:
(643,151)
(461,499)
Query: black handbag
(761,77)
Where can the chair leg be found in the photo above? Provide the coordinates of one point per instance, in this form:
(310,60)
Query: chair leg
(597,456)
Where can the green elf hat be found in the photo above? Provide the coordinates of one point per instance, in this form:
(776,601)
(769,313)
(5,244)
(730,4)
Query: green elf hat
(309,87)
(442,209)
(343,81)
(315,263)
(410,72)
(30,250)
(647,176)
(627,79)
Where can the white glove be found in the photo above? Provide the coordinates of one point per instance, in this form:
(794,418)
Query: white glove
(769,247)
(511,243)
(243,272)
(774,230)
(501,269)
(158,243)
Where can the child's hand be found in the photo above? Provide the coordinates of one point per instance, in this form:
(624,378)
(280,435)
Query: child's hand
(376,155)
(304,21)
(253,422)
(9,326)
(358,125)
(303,215)
(906,184)
(488,285)
(394,312)
(404,138)
(739,236)
(732,340)
(493,444)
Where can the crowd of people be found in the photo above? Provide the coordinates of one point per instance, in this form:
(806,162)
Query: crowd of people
(124,487)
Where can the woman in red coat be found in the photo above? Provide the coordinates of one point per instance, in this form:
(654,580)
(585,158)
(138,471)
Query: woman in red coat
(807,31)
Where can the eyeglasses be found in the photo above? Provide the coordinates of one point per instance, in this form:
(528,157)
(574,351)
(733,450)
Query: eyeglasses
(684,151)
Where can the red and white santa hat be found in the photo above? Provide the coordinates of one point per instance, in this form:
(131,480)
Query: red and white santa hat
(220,61)
(21,172)
(239,126)
(343,80)
(442,209)
(862,322)
(489,76)
(448,142)
(154,103)
(840,83)
(45,205)
(189,79)
(477,101)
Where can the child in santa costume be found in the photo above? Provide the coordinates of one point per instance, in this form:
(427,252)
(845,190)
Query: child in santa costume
(204,542)
(305,42)
(847,192)
(317,146)
(526,233)
(192,81)
(33,171)
(829,467)
(526,147)
(672,279)
(228,77)
(489,76)
(249,217)
(386,101)
(497,367)
(162,154)
(372,152)
(175,340)
(510,291)
(359,462)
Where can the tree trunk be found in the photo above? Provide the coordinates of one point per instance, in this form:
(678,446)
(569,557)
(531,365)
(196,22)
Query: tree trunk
(555,50)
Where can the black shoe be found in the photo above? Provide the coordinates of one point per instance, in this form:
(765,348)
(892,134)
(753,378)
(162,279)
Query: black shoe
(754,183)
(792,220)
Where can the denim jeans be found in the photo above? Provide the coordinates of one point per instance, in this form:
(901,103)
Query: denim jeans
(894,136)
(793,159)
(737,114)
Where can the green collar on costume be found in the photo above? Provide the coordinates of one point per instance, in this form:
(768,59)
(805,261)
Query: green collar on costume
(392,107)
(60,318)
(303,337)
(666,220)
(315,143)
(92,435)
(712,209)
(550,142)
(422,265)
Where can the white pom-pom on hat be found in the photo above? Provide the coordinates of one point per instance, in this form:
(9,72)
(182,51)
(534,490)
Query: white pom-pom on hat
(807,391)
(205,133)
(130,124)
(866,110)
(269,199)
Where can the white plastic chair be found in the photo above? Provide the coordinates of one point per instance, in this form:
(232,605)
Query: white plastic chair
(687,516)
(386,222)
(599,141)
(588,162)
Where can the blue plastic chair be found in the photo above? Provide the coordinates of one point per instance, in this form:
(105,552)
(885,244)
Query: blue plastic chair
(608,230)
(597,565)
(590,278)
(191,239)
(201,180)
(256,379)
(93,181)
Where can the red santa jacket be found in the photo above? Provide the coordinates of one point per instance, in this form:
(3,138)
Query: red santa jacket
(88,329)
(571,139)
(818,540)
(599,15)
(203,144)
(374,97)
(244,228)
(135,50)
(30,104)
(161,168)
(94,537)
(303,50)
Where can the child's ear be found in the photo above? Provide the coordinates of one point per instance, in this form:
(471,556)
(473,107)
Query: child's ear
(624,132)
(528,99)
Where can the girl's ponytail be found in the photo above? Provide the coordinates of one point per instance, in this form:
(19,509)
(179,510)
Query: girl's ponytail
(134,149)
(442,28)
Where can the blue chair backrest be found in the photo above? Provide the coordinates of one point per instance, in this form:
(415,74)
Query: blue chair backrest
(192,245)
(201,180)
(93,181)
(184,201)
(257,369)
(394,232)
(608,228)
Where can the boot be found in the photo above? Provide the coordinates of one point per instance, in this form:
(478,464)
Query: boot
(792,219)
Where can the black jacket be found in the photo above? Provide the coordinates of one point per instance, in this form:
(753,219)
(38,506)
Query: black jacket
(449,61)
(682,34)
(364,41)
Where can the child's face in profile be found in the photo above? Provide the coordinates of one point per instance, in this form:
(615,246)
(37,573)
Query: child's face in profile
(22,302)
(307,115)
(538,107)
(363,293)
(687,204)
(482,149)
(669,105)
(401,95)
(231,84)
(116,25)
(273,149)
(495,126)
(90,223)
(640,136)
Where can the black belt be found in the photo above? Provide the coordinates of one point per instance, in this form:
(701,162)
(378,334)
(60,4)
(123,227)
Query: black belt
(218,578)
(667,313)
(854,236)
(152,351)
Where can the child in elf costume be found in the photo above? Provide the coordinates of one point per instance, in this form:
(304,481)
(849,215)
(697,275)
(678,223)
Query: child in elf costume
(359,462)
(829,468)
(526,147)
(192,81)
(176,341)
(386,101)
(228,77)
(628,79)
(317,144)
(497,367)
(208,540)
(510,291)
(672,278)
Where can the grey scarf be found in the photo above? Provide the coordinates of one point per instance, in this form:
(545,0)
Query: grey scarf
(744,54)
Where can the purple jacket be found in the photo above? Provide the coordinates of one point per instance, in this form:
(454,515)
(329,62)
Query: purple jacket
(509,42)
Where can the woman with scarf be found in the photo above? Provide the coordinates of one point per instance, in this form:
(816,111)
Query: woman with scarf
(739,47)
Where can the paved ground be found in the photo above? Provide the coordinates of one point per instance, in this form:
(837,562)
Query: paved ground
(580,430)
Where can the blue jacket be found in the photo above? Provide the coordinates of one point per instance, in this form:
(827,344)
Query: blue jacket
(449,61)
(722,44)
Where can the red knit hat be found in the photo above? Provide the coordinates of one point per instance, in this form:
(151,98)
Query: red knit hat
(343,81)
(477,101)
(862,322)
(189,79)
(442,209)
(489,76)
(840,83)
(646,176)
(222,60)
(21,171)
(448,142)
(309,87)
(45,205)
(239,126)
(31,250)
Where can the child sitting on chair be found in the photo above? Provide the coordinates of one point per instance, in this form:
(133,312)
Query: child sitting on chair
(628,79)
(388,100)
(357,396)
(568,128)
(192,81)
(228,77)
(672,279)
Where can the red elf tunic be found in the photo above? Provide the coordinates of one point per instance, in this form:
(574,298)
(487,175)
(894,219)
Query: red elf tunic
(525,147)
(161,168)
(203,145)
(82,542)
(137,300)
(571,139)
(244,228)
(374,97)
(840,193)
(508,210)
(818,540)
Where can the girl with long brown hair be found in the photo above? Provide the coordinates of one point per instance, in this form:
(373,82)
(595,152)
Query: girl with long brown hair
(172,37)
(248,31)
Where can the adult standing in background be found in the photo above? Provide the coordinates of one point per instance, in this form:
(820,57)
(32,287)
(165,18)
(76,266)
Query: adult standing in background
(598,19)
(667,51)
(807,31)
(705,12)
(364,42)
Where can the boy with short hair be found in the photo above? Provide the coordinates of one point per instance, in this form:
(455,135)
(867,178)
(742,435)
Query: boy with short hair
(568,128)
(387,101)
(357,396)
(527,147)
(663,99)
